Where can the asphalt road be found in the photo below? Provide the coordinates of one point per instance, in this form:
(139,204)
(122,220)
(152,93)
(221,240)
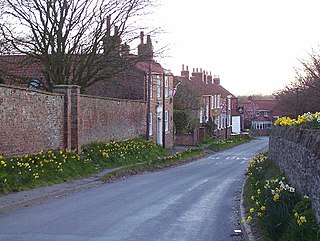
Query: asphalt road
(190,202)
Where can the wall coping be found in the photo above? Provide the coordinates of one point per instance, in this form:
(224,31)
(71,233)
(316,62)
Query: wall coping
(110,98)
(30,90)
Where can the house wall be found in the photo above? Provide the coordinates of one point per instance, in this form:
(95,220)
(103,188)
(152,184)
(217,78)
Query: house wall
(156,105)
(30,121)
(297,151)
(33,120)
(106,119)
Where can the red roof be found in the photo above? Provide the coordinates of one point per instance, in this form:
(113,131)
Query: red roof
(204,88)
(152,65)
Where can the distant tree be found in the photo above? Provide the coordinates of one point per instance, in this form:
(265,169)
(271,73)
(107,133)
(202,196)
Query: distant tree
(185,105)
(71,38)
(303,94)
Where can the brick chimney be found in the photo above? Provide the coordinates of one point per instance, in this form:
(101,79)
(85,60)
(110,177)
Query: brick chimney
(198,74)
(145,49)
(185,72)
(209,78)
(216,80)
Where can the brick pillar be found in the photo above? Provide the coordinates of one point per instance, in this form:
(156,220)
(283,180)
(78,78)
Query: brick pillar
(71,114)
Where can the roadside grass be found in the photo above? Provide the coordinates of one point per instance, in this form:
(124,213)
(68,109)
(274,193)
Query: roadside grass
(224,144)
(56,166)
(275,210)
(157,164)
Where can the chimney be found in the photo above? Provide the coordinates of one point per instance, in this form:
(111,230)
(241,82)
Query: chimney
(141,37)
(209,78)
(198,75)
(216,80)
(145,50)
(205,77)
(185,73)
(108,25)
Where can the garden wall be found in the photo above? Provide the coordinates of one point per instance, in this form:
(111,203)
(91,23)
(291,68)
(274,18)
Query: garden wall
(30,121)
(34,120)
(103,119)
(297,151)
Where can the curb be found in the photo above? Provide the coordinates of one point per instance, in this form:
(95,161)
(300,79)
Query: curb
(246,229)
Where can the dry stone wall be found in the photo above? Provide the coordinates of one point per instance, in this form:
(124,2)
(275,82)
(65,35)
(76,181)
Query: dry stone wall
(297,151)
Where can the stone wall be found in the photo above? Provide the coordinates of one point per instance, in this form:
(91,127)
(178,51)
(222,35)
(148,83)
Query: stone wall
(30,121)
(297,151)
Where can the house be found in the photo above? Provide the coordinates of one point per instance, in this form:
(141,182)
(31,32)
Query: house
(144,79)
(216,103)
(260,114)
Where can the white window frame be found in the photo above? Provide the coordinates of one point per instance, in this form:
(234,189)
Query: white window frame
(151,88)
(166,87)
(158,87)
(166,119)
(266,113)
(150,124)
(218,101)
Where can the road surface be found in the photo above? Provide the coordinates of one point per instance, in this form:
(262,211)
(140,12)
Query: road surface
(192,202)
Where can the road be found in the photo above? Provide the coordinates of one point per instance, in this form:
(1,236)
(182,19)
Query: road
(190,202)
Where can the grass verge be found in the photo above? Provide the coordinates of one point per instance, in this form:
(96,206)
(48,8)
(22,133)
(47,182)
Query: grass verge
(275,210)
(224,144)
(159,164)
(56,166)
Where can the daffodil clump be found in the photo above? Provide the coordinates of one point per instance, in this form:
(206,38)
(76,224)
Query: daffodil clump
(114,154)
(44,167)
(274,204)
(307,119)
(55,166)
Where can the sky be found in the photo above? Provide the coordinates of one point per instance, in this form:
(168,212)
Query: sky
(253,45)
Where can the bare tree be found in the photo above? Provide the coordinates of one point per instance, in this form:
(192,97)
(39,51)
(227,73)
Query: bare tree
(71,38)
(303,94)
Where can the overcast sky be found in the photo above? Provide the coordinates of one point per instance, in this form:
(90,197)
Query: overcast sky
(253,45)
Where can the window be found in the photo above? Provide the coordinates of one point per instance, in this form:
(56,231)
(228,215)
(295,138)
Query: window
(166,119)
(215,101)
(266,113)
(158,87)
(261,125)
(257,113)
(201,115)
(218,101)
(150,124)
(229,103)
(166,87)
(151,88)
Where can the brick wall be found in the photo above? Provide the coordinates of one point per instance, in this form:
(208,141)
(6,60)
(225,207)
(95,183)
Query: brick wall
(33,120)
(297,151)
(105,119)
(30,121)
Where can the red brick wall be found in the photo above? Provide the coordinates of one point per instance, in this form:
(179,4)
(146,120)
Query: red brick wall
(33,120)
(30,121)
(105,119)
